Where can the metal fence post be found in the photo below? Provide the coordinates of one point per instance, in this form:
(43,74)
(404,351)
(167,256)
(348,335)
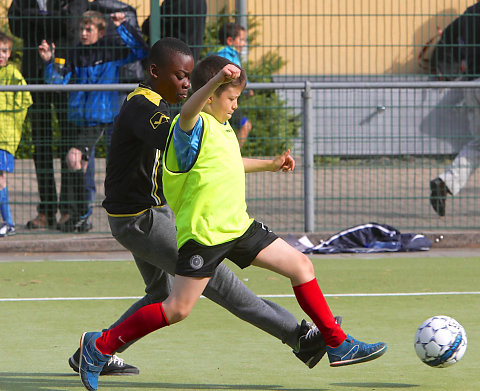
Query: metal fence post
(154,21)
(309,206)
(241,18)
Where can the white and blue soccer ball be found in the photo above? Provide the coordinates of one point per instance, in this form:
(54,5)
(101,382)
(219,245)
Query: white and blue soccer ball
(440,341)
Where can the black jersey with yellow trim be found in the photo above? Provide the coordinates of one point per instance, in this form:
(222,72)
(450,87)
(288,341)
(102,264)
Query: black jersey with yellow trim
(133,180)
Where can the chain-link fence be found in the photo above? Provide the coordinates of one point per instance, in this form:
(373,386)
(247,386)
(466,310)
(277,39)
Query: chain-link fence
(372,110)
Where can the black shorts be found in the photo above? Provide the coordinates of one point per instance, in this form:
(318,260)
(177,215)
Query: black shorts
(198,260)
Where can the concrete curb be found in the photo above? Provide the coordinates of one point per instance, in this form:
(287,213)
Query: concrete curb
(60,243)
(50,243)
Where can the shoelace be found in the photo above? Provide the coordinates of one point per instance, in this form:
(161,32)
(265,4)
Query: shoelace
(116,360)
(367,348)
(312,333)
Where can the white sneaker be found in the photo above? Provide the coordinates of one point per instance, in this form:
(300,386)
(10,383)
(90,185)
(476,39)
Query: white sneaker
(7,230)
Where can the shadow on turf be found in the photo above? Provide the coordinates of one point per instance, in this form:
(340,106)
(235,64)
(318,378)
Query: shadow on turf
(374,385)
(13,381)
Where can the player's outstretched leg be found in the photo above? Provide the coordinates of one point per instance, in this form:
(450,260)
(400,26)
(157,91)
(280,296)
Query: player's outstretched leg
(311,346)
(352,351)
(92,360)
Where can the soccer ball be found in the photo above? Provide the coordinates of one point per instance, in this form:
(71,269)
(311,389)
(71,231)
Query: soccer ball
(440,341)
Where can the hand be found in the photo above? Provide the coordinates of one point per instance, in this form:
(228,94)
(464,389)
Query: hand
(284,162)
(228,73)
(45,52)
(117,18)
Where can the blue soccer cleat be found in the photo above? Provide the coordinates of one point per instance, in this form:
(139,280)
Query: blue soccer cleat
(352,351)
(91,360)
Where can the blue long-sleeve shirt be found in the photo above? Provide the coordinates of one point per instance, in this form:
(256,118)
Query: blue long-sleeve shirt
(97,64)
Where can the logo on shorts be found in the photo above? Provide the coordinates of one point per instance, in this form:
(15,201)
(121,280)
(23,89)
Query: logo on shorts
(196,262)
(265,228)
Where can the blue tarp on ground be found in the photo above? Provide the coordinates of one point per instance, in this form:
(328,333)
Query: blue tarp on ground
(364,238)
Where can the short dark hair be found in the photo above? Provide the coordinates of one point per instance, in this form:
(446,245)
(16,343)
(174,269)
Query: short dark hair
(229,30)
(4,37)
(164,48)
(94,17)
(208,68)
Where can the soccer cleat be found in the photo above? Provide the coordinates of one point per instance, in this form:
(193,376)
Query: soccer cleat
(91,360)
(311,346)
(438,195)
(7,230)
(352,351)
(114,367)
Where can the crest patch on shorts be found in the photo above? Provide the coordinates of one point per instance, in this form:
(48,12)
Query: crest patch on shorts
(196,262)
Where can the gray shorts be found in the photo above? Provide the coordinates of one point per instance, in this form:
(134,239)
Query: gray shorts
(197,260)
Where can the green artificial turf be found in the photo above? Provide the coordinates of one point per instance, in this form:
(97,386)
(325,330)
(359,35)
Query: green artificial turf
(213,350)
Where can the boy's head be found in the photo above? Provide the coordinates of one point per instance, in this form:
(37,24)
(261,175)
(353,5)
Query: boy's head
(232,34)
(224,100)
(208,68)
(6,44)
(92,27)
(169,66)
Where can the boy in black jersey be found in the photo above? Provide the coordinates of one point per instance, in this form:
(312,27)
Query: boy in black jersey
(142,222)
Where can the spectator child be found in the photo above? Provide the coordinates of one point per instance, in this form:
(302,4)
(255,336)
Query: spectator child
(94,60)
(53,21)
(13,110)
(232,37)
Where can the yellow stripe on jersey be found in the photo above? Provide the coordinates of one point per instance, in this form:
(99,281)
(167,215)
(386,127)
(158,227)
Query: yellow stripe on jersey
(133,214)
(155,173)
(147,93)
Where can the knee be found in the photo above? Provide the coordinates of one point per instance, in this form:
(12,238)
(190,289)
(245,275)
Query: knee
(74,159)
(306,265)
(305,271)
(175,312)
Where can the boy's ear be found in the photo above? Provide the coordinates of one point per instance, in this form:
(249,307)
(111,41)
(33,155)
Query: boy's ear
(153,70)
(229,41)
(101,33)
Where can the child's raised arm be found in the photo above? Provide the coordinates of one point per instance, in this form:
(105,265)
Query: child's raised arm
(194,105)
(284,162)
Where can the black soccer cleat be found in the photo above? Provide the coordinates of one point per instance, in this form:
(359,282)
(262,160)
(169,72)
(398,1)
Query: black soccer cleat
(311,346)
(438,195)
(114,367)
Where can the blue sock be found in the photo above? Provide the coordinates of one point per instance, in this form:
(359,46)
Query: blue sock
(5,207)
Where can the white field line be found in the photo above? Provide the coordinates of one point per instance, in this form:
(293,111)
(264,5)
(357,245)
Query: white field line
(264,296)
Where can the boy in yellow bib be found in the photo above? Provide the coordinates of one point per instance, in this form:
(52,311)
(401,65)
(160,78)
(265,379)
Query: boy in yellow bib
(204,184)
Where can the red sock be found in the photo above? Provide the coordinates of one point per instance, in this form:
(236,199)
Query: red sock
(140,323)
(312,301)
